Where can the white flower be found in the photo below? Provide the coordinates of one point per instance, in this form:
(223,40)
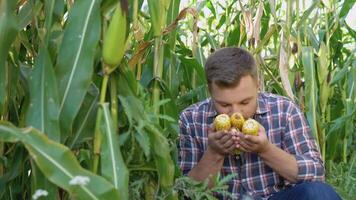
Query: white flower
(79,180)
(39,193)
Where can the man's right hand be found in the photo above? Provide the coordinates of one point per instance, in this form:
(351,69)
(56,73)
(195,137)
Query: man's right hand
(222,142)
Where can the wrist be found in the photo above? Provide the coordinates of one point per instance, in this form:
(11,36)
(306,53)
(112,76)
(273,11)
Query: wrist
(266,149)
(214,155)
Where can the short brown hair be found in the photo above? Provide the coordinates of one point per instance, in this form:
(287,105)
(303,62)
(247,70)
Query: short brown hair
(227,66)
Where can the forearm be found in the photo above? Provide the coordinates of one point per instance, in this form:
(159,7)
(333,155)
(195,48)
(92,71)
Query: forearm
(208,166)
(281,162)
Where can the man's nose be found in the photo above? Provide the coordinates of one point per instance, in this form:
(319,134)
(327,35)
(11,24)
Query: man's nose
(235,108)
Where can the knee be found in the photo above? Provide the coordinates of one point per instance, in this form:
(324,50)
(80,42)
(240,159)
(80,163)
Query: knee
(316,190)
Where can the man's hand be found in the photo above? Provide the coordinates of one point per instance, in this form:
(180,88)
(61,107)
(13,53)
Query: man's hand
(251,143)
(222,142)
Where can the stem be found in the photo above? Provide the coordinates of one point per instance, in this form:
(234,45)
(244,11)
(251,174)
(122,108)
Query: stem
(157,71)
(139,70)
(344,151)
(134,14)
(97,133)
(1,154)
(114,103)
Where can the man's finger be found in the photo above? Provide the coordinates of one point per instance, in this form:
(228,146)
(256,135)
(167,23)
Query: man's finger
(228,144)
(247,142)
(241,148)
(245,145)
(232,149)
(253,139)
(217,135)
(225,137)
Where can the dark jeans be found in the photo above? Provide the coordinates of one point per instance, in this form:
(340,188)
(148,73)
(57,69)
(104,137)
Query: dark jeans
(307,191)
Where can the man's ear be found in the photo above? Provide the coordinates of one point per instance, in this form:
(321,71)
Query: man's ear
(258,85)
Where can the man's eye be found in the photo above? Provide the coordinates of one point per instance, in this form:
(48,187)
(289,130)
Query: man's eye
(244,102)
(224,105)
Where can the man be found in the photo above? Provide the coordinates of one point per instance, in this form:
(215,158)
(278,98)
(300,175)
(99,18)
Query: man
(282,162)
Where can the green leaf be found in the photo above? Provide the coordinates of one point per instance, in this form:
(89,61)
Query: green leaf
(233,36)
(312,38)
(112,163)
(322,68)
(192,63)
(336,128)
(29,10)
(173,11)
(158,12)
(75,60)
(346,7)
(15,169)
(59,164)
(163,160)
(143,140)
(306,14)
(42,112)
(342,73)
(210,6)
(39,181)
(133,110)
(8,32)
(211,40)
(83,126)
(49,11)
(169,49)
(273,30)
(311,89)
(221,22)
(351,31)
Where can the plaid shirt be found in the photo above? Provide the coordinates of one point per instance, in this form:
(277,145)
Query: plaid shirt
(286,127)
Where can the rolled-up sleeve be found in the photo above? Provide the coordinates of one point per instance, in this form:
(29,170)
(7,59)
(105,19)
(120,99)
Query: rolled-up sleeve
(298,141)
(189,152)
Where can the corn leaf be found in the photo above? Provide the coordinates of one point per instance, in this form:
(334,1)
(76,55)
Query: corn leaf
(42,113)
(40,182)
(158,11)
(191,65)
(8,32)
(59,164)
(173,11)
(283,67)
(28,11)
(163,160)
(75,59)
(310,89)
(323,64)
(346,7)
(83,126)
(112,163)
(306,14)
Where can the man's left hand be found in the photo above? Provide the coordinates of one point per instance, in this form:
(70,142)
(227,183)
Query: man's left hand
(251,143)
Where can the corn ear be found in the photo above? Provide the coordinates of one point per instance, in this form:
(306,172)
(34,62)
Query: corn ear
(237,120)
(222,122)
(250,127)
(115,37)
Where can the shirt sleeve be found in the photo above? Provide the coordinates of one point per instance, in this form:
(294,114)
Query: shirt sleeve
(188,147)
(298,141)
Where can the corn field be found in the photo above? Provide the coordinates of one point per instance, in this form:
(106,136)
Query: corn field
(91,90)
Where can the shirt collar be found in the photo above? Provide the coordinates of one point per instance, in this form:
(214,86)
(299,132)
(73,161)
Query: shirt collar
(211,109)
(261,105)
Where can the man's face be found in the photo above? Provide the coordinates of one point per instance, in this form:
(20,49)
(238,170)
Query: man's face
(241,98)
